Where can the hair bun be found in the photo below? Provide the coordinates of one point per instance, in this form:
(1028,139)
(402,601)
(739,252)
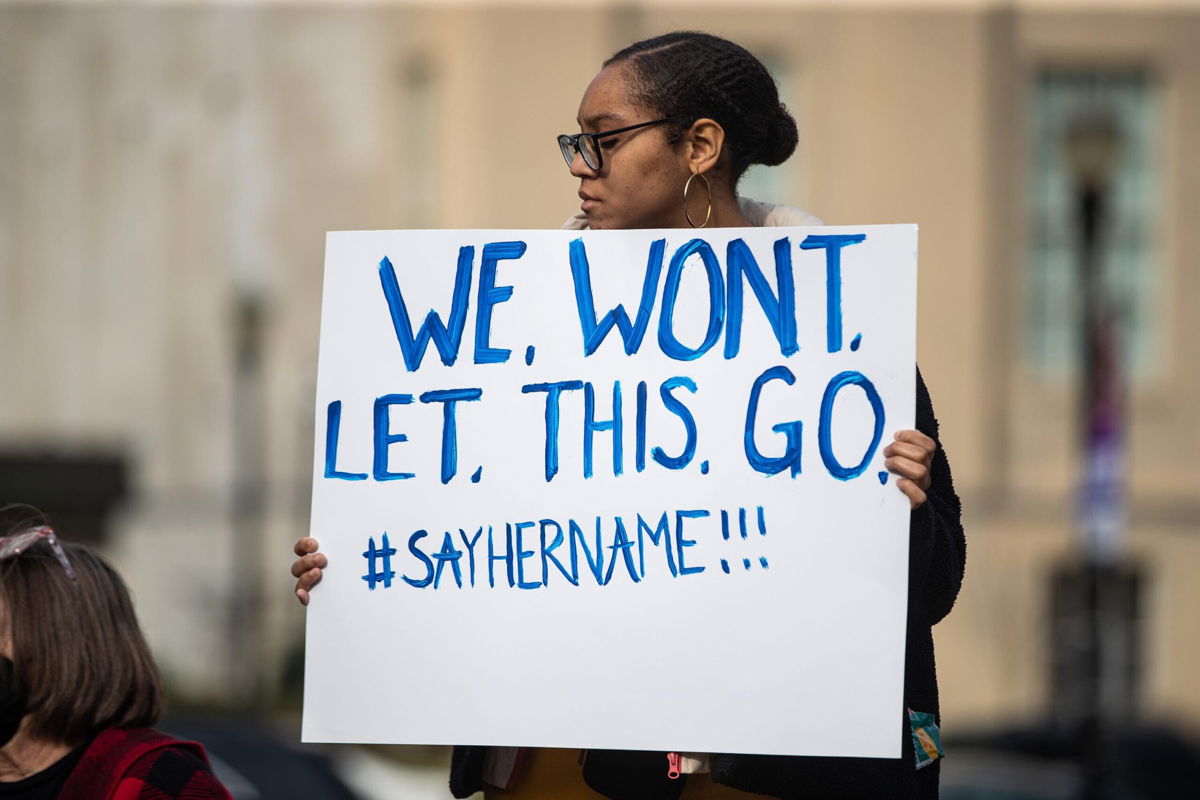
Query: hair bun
(781,138)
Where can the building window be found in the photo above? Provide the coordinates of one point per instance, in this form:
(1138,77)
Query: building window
(1127,253)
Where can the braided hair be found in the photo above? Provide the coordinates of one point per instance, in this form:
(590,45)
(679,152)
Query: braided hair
(687,75)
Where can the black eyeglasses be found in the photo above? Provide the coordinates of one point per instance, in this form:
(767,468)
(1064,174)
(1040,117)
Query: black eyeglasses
(588,144)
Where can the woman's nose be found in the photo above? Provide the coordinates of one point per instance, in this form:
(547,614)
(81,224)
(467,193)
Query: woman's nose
(580,168)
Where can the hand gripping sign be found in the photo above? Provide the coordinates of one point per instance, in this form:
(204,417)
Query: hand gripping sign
(613,489)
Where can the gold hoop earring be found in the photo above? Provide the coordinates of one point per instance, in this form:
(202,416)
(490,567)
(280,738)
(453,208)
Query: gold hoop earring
(708,188)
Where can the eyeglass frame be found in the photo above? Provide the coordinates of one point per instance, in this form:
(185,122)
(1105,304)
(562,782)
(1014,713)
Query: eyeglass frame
(15,545)
(571,140)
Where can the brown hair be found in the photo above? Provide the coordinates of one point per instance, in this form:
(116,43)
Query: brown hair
(77,648)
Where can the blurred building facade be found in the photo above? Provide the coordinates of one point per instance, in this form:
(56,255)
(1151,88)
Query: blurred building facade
(167,175)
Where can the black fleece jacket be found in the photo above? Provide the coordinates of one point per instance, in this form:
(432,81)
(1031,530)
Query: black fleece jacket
(936,558)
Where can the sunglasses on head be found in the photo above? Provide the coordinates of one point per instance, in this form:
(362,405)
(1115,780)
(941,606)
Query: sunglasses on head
(18,543)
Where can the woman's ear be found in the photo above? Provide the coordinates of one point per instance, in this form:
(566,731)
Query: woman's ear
(705,141)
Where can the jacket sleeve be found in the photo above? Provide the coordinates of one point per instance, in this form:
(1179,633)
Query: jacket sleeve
(466,770)
(938,547)
(170,773)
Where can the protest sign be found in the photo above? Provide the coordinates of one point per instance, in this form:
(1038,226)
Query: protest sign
(613,489)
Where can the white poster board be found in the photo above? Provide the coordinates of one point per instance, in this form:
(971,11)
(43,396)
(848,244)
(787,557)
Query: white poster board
(668,526)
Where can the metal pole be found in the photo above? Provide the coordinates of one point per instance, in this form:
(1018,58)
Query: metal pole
(247,605)
(1092,143)
(1091,204)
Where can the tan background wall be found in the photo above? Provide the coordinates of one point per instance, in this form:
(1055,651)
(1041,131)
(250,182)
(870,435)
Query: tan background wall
(161,165)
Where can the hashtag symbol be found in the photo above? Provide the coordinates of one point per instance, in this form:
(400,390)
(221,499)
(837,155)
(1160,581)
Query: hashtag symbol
(374,555)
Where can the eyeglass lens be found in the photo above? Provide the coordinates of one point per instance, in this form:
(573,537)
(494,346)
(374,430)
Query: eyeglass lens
(585,145)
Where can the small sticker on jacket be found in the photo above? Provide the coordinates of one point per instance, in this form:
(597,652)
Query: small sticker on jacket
(927,740)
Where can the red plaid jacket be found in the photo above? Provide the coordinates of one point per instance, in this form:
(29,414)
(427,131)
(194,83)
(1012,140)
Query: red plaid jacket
(142,764)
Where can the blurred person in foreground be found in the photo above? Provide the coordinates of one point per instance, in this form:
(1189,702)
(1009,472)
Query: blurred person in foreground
(667,129)
(79,690)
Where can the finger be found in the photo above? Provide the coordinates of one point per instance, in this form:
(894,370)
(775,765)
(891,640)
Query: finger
(308,579)
(308,563)
(304,564)
(916,497)
(305,546)
(905,468)
(909,451)
(917,438)
(302,596)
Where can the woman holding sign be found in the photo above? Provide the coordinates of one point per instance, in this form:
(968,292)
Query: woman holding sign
(668,127)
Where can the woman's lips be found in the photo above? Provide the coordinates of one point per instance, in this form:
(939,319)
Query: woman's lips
(588,204)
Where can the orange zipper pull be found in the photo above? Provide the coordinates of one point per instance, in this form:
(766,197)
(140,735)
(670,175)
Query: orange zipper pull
(673,766)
